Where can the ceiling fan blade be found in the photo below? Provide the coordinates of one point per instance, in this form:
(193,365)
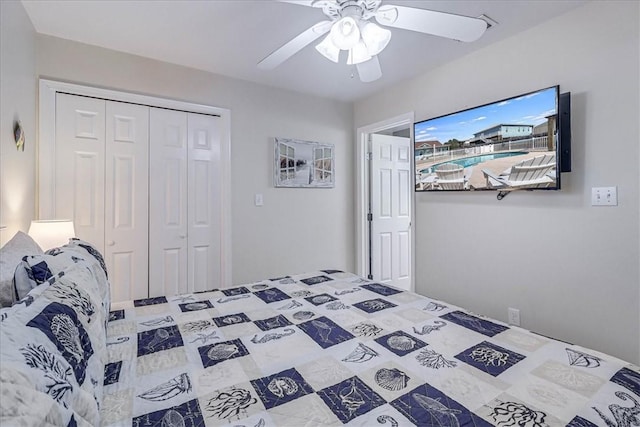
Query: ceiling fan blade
(370,70)
(440,24)
(295,45)
(320,4)
(298,2)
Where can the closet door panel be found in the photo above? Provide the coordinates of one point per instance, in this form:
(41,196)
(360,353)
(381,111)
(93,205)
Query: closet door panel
(127,186)
(79,178)
(204,212)
(168,203)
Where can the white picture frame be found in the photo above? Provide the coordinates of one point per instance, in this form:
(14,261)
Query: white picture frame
(303,164)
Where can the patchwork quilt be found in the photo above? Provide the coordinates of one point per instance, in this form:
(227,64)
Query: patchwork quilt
(331,348)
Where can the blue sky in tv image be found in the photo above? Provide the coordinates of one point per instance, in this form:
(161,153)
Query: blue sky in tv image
(530,109)
(506,145)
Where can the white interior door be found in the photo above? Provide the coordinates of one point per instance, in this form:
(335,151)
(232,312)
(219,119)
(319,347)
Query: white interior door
(204,210)
(80,154)
(391,210)
(126,214)
(167,202)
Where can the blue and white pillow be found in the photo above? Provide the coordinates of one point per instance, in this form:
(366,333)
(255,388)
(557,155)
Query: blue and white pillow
(11,254)
(53,344)
(35,270)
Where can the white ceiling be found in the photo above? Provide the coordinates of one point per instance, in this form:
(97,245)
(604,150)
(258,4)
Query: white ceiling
(230,37)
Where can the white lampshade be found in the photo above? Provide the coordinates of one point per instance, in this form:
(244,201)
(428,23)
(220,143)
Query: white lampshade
(51,233)
(328,49)
(375,37)
(345,33)
(358,54)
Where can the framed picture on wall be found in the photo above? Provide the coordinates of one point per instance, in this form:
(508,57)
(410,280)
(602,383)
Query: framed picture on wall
(303,164)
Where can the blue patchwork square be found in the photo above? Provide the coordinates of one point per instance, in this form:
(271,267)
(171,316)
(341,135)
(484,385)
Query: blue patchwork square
(272,295)
(112,372)
(188,414)
(158,340)
(320,299)
(235,291)
(400,343)
(195,306)
(315,280)
(231,319)
(273,323)
(325,332)
(381,289)
(205,291)
(116,315)
(468,321)
(373,305)
(580,422)
(428,406)
(490,358)
(628,379)
(149,301)
(350,399)
(216,353)
(39,272)
(281,388)
(277,279)
(61,325)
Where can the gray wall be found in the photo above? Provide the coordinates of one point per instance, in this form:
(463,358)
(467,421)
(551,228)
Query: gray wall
(572,269)
(17,101)
(296,230)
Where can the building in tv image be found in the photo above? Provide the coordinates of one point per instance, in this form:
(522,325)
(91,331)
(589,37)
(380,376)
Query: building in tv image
(507,145)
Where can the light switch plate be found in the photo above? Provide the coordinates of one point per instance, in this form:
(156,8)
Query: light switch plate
(259,200)
(604,196)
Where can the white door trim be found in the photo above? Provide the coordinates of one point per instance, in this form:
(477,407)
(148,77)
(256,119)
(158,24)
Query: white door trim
(46,149)
(362,192)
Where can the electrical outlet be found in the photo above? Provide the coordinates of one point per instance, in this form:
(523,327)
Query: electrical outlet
(604,196)
(514,316)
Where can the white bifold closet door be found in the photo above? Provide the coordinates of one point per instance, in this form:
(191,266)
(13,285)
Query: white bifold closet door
(102,184)
(126,208)
(80,160)
(185,216)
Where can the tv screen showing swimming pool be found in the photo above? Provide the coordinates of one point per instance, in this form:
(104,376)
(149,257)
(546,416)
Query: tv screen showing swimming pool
(507,145)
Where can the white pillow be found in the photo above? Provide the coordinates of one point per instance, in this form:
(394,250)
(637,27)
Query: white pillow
(10,256)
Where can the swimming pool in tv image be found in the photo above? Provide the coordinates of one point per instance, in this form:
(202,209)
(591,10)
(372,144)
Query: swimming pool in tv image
(507,145)
(465,162)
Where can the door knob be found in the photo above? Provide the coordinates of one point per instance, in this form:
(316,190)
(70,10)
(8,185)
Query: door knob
(111,243)
(183,236)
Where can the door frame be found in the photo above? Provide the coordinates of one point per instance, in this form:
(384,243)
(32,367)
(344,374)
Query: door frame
(46,150)
(362,190)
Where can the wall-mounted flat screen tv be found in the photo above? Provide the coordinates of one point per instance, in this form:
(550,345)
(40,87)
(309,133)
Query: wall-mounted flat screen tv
(507,145)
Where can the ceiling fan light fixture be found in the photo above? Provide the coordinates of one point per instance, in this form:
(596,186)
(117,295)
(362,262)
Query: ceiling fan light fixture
(358,54)
(328,49)
(375,37)
(345,33)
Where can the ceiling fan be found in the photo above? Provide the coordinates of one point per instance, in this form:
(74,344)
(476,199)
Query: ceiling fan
(351,28)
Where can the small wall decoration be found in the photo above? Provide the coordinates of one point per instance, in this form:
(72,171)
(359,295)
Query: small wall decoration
(18,135)
(303,164)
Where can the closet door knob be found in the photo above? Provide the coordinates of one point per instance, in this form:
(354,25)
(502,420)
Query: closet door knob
(111,243)
(183,236)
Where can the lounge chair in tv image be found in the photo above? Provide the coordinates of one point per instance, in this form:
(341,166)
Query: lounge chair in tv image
(520,170)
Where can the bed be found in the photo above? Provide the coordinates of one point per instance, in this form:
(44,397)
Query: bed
(315,349)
